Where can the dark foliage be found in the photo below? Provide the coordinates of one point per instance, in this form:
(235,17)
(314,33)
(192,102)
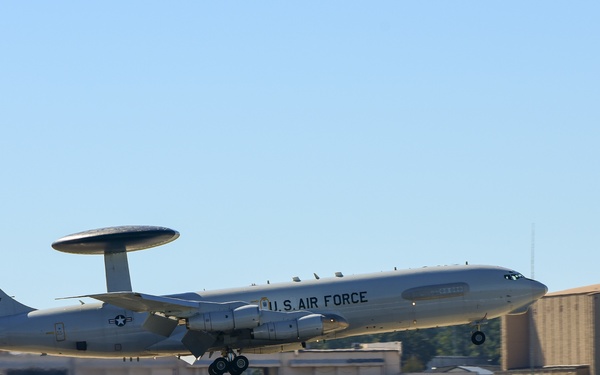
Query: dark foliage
(420,346)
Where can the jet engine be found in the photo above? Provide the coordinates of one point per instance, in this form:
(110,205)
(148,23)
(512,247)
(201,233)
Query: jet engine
(266,324)
(302,328)
(247,316)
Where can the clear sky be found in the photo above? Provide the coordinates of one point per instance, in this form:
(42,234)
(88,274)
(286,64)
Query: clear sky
(286,138)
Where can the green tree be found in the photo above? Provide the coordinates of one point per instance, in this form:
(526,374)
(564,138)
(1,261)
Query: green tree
(420,346)
(456,340)
(412,364)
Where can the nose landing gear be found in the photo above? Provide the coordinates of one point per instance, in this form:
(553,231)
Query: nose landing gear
(478,337)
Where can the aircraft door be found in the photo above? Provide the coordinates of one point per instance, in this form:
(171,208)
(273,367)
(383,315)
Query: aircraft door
(59,331)
(265,304)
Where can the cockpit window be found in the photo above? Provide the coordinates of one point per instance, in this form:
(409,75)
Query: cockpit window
(513,276)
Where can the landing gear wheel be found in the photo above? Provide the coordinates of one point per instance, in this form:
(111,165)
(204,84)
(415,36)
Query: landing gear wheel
(478,338)
(238,365)
(211,370)
(220,366)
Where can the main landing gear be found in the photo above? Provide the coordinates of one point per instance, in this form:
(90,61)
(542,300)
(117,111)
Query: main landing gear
(231,363)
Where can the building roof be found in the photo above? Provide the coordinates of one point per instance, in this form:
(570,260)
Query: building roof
(463,369)
(590,289)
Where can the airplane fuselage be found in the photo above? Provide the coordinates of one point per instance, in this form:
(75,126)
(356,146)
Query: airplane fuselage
(372,303)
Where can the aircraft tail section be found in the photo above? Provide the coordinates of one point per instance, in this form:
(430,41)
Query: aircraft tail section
(10,306)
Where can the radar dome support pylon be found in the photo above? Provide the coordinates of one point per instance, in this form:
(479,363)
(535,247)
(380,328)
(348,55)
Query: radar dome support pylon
(114,243)
(117,272)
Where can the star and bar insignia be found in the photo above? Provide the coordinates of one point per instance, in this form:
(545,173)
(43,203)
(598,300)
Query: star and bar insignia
(120,320)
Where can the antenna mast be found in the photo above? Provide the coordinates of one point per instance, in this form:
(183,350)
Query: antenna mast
(531,312)
(532,250)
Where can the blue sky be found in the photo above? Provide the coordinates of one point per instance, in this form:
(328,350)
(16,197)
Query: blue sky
(283,139)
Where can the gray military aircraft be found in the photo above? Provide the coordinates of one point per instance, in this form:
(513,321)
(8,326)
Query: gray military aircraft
(255,319)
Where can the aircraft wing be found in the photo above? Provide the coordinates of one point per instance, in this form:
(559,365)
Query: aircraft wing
(140,302)
(205,320)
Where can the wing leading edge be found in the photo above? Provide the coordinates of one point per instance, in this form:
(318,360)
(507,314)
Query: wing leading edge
(180,308)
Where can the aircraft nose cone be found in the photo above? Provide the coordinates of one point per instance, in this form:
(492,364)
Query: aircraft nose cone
(539,289)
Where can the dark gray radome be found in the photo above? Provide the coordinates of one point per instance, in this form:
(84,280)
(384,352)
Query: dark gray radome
(115,239)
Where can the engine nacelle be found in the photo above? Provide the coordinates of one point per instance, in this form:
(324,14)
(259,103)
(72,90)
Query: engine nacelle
(267,325)
(302,328)
(247,316)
